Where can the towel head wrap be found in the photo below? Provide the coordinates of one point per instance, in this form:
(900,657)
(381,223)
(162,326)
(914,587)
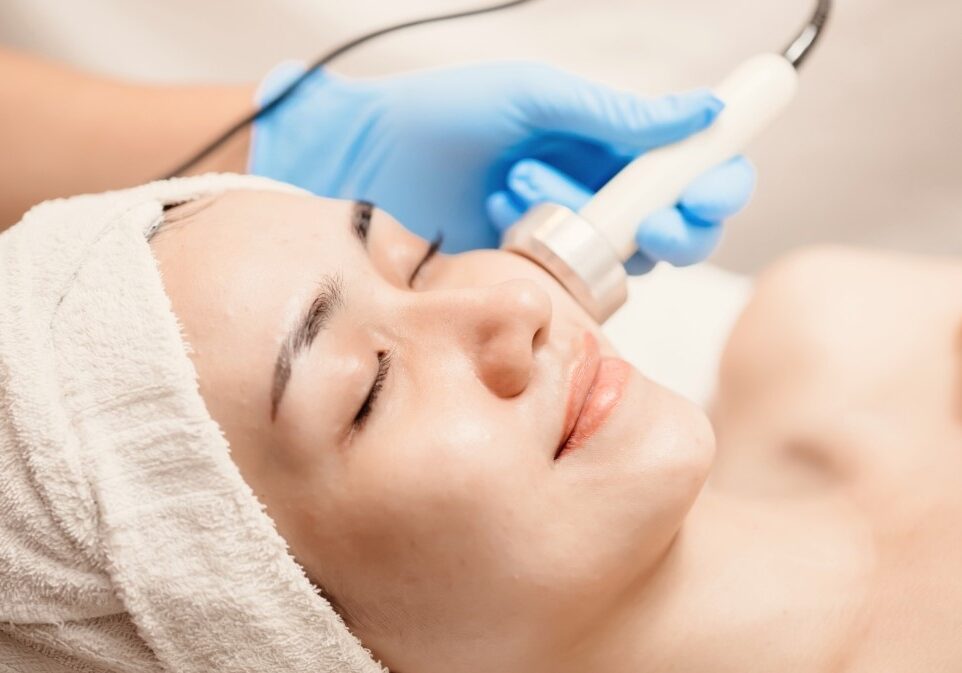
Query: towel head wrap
(128,539)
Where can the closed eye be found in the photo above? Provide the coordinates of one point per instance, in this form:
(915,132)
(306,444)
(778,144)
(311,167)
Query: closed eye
(384,357)
(383,367)
(431,252)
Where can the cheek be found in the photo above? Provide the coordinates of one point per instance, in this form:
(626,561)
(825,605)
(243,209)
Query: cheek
(449,544)
(460,530)
(422,530)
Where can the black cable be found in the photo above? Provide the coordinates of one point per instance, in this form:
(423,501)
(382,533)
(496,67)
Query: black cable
(320,62)
(802,45)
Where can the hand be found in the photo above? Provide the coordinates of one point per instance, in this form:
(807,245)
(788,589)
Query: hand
(466,150)
(682,235)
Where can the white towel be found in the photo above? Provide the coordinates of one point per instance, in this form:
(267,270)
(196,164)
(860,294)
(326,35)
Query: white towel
(128,539)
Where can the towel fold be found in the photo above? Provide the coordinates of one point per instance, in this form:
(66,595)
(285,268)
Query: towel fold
(128,539)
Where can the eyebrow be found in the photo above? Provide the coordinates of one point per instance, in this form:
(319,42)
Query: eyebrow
(328,299)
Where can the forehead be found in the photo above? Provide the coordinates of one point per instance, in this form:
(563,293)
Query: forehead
(249,251)
(254,223)
(238,267)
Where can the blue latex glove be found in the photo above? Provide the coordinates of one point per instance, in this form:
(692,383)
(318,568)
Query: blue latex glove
(466,150)
(682,235)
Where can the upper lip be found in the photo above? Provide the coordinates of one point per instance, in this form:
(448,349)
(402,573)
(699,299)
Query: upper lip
(582,372)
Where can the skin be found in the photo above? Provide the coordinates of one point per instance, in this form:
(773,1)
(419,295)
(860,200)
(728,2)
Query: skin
(443,528)
(823,540)
(843,379)
(54,118)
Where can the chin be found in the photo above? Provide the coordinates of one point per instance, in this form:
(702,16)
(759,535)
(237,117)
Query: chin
(698,455)
(675,452)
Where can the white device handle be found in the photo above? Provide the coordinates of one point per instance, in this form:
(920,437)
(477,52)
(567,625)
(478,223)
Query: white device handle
(754,95)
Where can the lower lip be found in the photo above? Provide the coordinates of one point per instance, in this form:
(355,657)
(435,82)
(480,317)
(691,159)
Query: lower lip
(605,394)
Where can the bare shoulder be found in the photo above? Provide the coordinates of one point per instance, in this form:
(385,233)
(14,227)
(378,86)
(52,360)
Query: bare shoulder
(839,309)
(842,357)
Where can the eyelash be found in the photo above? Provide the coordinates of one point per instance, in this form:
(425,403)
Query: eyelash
(431,252)
(384,357)
(383,367)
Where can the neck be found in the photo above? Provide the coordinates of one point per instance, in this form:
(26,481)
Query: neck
(746,586)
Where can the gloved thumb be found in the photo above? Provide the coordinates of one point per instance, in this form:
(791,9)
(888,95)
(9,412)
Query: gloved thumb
(600,113)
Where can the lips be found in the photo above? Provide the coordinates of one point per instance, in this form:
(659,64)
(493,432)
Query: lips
(596,387)
(582,377)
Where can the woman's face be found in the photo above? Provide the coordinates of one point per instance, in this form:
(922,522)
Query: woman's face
(435,512)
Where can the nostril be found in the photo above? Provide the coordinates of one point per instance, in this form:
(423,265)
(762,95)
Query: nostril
(540,338)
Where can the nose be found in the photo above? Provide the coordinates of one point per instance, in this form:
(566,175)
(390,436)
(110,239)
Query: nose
(510,324)
(501,328)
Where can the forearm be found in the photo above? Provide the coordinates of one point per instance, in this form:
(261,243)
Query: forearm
(64,132)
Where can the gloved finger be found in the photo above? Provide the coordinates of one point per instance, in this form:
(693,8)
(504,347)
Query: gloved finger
(720,192)
(533,182)
(502,210)
(588,162)
(667,236)
(583,108)
(639,263)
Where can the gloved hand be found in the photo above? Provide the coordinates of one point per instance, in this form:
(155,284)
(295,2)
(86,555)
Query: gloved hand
(467,150)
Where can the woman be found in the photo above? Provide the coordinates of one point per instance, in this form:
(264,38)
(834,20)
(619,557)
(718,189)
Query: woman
(456,456)
(415,471)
